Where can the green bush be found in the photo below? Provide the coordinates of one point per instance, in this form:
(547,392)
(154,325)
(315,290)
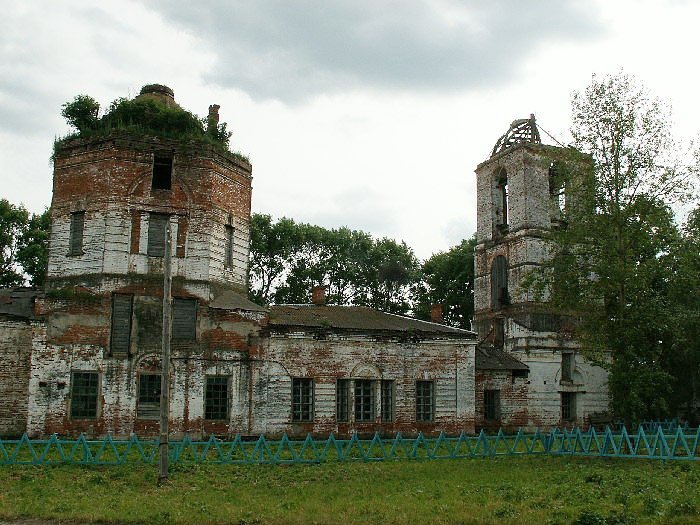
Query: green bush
(141,117)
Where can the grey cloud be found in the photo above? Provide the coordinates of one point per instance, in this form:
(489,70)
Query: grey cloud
(292,50)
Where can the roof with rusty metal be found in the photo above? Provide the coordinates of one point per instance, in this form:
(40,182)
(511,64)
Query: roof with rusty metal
(18,302)
(356,318)
(230,300)
(489,358)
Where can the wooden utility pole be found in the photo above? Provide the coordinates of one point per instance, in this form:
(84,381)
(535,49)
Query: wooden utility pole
(165,358)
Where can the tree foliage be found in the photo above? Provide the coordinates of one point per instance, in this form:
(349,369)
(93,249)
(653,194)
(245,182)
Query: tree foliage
(448,279)
(289,258)
(81,113)
(613,261)
(23,245)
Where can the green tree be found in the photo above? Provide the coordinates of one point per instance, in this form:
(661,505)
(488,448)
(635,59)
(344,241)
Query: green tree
(288,259)
(81,113)
(609,265)
(13,222)
(33,247)
(448,279)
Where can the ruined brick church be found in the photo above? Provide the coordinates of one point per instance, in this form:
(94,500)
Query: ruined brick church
(83,355)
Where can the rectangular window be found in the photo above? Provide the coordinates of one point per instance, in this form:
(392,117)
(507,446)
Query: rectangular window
(228,255)
(302,399)
(77,226)
(568,406)
(120,340)
(184,319)
(149,397)
(364,400)
(387,400)
(162,173)
(216,397)
(157,223)
(83,395)
(567,366)
(492,405)
(342,400)
(425,401)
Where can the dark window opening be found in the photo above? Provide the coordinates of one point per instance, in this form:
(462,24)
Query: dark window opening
(503,202)
(568,406)
(157,223)
(84,393)
(567,366)
(387,400)
(216,398)
(364,400)
(162,173)
(499,283)
(499,332)
(492,405)
(342,400)
(184,319)
(557,187)
(77,227)
(149,396)
(228,255)
(120,340)
(302,399)
(425,401)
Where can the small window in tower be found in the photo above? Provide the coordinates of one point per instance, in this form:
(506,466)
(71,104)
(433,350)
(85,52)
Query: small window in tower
(502,201)
(162,172)
(228,256)
(77,226)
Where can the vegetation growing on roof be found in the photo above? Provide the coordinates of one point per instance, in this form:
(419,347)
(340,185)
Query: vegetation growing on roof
(141,116)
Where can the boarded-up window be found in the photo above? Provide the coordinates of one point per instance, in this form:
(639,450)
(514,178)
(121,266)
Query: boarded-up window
(228,253)
(499,283)
(342,400)
(302,399)
(156,234)
(149,396)
(387,400)
(162,172)
(184,318)
(567,366)
(77,226)
(364,400)
(83,395)
(492,405)
(122,306)
(216,397)
(568,406)
(425,401)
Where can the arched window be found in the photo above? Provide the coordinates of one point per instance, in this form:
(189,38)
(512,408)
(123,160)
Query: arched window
(502,215)
(499,283)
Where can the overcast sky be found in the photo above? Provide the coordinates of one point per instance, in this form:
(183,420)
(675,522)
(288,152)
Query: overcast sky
(362,113)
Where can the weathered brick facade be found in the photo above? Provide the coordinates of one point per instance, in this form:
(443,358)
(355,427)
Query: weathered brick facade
(84,357)
(90,362)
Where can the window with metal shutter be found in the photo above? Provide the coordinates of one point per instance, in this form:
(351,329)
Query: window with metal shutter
(77,226)
(121,324)
(156,234)
(499,283)
(184,318)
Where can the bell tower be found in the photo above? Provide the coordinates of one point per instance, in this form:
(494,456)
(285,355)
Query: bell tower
(519,203)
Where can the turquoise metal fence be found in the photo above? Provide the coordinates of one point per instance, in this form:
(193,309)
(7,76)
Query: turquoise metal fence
(680,445)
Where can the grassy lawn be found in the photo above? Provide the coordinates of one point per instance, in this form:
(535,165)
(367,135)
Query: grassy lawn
(502,490)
